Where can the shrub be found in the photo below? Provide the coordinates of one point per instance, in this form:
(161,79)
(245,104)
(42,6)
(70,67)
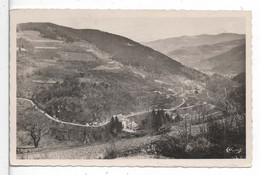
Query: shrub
(168,146)
(111,153)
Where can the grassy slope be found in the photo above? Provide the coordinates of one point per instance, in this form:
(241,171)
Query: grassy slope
(122,49)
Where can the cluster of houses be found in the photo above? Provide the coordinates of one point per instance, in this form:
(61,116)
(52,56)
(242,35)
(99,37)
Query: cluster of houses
(127,123)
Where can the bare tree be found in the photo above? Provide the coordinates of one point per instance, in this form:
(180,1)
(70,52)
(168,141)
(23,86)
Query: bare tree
(186,130)
(37,132)
(201,113)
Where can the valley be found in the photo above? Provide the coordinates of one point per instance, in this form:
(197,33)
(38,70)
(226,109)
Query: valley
(223,53)
(89,94)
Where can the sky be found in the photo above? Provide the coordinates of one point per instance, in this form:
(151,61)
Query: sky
(145,27)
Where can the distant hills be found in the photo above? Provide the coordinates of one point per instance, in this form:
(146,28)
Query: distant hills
(170,44)
(193,54)
(230,62)
(193,50)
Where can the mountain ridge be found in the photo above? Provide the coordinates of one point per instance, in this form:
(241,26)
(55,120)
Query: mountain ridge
(194,36)
(122,49)
(170,44)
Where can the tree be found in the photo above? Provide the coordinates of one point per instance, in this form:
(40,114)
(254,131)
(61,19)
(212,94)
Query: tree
(202,113)
(112,124)
(167,118)
(36,134)
(177,118)
(118,125)
(156,120)
(115,126)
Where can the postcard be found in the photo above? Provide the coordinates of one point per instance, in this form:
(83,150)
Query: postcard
(130,88)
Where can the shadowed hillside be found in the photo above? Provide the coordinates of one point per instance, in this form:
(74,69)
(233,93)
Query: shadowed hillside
(240,78)
(230,62)
(193,54)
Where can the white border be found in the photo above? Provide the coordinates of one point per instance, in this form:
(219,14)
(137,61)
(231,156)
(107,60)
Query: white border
(4,102)
(133,4)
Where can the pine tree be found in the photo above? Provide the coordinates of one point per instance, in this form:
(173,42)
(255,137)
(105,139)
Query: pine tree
(156,120)
(153,112)
(118,125)
(112,124)
(167,118)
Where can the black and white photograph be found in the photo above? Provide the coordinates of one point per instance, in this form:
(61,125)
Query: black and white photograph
(130,86)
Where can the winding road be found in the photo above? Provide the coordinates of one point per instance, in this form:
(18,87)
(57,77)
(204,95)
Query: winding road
(150,110)
(96,150)
(95,126)
(59,121)
(105,123)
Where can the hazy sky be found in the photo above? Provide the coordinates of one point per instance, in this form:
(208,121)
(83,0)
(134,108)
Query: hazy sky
(142,27)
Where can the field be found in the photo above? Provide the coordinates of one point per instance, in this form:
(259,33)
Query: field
(97,151)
